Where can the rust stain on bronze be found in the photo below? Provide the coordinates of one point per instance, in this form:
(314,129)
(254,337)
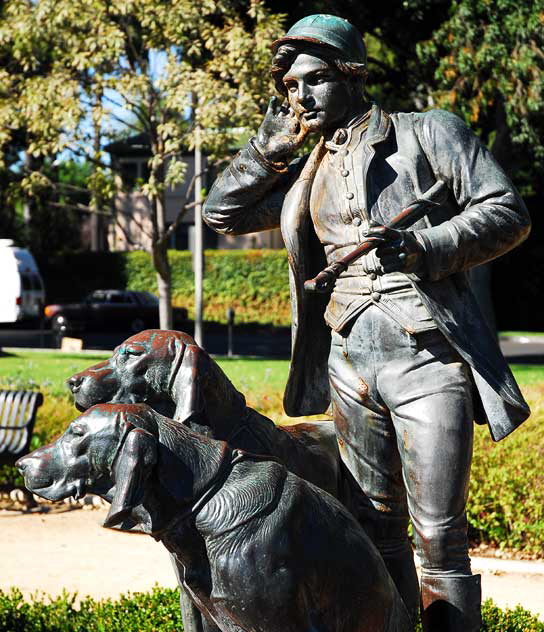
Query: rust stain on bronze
(341,424)
(362,388)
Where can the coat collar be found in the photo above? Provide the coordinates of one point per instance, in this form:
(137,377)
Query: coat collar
(378,126)
(377,129)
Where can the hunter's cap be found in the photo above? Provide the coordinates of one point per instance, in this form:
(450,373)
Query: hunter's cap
(330,31)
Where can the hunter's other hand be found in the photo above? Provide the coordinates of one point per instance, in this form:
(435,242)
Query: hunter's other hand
(400,250)
(280,133)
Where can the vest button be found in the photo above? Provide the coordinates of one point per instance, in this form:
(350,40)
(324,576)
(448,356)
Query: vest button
(350,196)
(372,276)
(376,296)
(356,221)
(344,173)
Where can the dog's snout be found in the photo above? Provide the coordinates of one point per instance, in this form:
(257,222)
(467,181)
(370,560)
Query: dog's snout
(22,463)
(75,382)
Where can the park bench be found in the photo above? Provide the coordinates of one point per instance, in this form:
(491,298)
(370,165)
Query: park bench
(17,417)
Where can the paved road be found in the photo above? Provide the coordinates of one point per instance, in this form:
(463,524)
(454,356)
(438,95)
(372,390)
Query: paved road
(250,340)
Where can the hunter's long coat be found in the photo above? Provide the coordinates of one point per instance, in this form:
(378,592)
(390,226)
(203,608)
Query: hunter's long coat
(404,155)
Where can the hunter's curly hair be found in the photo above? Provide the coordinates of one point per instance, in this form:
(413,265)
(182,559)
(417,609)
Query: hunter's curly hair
(286,54)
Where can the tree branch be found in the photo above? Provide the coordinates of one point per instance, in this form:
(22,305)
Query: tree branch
(82,208)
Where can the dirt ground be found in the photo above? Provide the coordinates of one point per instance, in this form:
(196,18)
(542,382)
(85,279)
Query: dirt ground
(68,549)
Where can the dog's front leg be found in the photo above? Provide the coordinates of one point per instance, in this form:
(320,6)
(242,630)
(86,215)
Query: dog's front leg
(193,620)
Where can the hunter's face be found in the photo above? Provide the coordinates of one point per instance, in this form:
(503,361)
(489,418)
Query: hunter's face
(319,94)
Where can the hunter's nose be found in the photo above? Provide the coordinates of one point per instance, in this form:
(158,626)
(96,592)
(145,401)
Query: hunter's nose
(74,383)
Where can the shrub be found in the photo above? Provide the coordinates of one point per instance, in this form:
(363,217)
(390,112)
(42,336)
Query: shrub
(506,501)
(139,612)
(158,611)
(254,282)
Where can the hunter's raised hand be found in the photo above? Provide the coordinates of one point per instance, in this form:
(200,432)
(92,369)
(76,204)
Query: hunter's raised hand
(280,133)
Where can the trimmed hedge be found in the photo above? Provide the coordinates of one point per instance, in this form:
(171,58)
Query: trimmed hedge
(254,282)
(158,611)
(139,612)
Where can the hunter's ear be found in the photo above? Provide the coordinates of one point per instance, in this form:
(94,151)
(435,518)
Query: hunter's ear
(133,466)
(185,381)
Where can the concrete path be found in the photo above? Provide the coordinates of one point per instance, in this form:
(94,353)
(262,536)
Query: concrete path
(69,550)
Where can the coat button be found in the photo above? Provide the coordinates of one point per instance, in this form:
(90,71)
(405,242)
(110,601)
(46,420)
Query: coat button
(373,276)
(350,196)
(376,296)
(344,173)
(356,221)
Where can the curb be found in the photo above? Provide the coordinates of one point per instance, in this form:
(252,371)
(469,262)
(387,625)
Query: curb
(53,350)
(520,567)
(523,340)
(499,567)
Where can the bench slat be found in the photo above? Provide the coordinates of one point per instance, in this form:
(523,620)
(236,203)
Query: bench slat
(17,417)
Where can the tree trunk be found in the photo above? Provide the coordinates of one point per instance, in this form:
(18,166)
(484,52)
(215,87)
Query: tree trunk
(162,266)
(96,203)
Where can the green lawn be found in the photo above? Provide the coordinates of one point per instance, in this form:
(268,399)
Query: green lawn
(50,371)
(252,375)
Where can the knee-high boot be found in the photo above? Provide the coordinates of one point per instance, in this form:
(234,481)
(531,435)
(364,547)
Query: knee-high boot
(451,603)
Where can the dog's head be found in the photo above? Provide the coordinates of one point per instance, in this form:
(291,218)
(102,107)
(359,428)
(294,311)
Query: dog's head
(144,368)
(109,450)
(147,466)
(165,369)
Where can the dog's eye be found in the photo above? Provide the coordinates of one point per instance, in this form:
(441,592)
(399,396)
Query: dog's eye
(134,352)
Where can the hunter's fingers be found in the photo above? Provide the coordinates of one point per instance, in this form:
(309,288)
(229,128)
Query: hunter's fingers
(383,232)
(391,248)
(272,105)
(393,264)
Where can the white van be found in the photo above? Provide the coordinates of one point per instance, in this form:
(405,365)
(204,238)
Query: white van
(22,294)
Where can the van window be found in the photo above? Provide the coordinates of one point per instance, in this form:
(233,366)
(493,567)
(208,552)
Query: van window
(36,282)
(26,282)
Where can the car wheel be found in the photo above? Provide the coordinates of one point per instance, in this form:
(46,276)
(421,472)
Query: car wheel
(137,325)
(59,323)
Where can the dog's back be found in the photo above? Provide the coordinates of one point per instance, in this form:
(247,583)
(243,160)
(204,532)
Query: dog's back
(296,555)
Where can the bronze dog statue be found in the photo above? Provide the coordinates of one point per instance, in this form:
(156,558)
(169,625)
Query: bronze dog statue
(260,549)
(168,371)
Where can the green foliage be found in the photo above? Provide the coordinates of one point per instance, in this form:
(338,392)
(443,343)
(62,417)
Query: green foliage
(158,611)
(254,282)
(138,612)
(489,68)
(506,500)
(517,620)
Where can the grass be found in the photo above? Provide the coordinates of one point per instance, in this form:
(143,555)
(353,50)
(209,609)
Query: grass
(506,506)
(253,376)
(528,374)
(47,371)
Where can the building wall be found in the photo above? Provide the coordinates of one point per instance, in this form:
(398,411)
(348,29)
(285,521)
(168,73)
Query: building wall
(132,230)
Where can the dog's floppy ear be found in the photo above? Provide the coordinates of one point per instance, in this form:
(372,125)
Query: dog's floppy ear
(184,381)
(132,468)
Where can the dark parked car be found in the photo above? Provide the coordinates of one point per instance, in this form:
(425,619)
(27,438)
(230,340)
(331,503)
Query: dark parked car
(108,310)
